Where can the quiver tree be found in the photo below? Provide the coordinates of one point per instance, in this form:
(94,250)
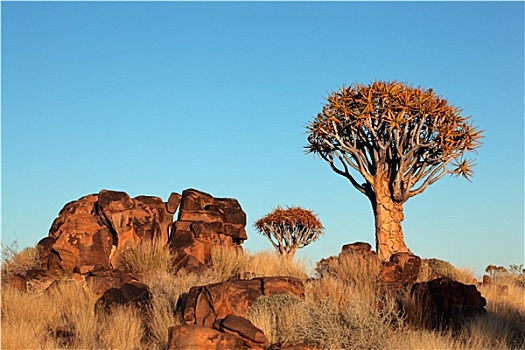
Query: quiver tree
(289,229)
(391,141)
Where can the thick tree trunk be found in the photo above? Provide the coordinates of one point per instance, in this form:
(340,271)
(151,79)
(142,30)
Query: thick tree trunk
(388,218)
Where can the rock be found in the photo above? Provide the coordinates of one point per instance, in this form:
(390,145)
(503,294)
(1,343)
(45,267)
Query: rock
(293,346)
(444,303)
(204,224)
(134,294)
(133,220)
(205,304)
(362,249)
(98,283)
(251,336)
(173,202)
(402,268)
(80,236)
(91,232)
(191,336)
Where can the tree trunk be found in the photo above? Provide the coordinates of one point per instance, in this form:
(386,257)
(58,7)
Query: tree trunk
(388,218)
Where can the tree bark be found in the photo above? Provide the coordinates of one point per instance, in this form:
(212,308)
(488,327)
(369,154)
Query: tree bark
(388,217)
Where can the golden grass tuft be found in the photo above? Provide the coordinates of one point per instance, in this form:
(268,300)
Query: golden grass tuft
(17,262)
(147,256)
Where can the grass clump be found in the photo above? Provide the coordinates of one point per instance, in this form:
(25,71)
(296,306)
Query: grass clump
(147,256)
(16,261)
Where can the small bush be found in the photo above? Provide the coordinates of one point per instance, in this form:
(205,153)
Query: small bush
(432,268)
(17,262)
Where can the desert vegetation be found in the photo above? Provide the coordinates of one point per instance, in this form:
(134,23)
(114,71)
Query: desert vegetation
(343,307)
(290,229)
(391,141)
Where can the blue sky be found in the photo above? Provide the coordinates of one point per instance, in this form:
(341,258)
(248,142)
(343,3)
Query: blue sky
(151,98)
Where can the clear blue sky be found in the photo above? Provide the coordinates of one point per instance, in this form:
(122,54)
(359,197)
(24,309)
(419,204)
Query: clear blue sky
(151,98)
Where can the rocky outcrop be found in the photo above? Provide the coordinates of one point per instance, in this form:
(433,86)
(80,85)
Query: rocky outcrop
(132,220)
(91,232)
(205,304)
(402,268)
(191,336)
(442,303)
(81,239)
(205,223)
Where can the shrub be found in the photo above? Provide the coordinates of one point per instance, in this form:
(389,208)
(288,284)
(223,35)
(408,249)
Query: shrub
(17,262)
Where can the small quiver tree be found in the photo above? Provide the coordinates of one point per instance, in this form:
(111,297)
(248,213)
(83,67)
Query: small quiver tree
(289,229)
(391,141)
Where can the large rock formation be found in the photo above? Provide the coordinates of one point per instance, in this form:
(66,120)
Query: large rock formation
(402,268)
(91,232)
(442,303)
(205,304)
(204,223)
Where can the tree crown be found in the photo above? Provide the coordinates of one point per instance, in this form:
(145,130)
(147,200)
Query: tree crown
(290,229)
(404,134)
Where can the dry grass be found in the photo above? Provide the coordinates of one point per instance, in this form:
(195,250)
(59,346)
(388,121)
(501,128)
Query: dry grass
(343,309)
(17,262)
(228,263)
(148,256)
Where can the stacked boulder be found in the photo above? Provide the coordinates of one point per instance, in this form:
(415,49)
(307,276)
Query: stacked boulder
(438,303)
(89,235)
(91,232)
(205,223)
(215,315)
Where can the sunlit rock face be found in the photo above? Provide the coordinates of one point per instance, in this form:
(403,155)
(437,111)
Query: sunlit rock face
(205,223)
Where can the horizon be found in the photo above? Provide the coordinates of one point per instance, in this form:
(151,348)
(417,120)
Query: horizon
(154,98)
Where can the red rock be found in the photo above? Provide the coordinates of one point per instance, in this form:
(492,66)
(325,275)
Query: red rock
(402,268)
(204,224)
(205,304)
(445,302)
(134,294)
(251,336)
(92,231)
(193,337)
(173,202)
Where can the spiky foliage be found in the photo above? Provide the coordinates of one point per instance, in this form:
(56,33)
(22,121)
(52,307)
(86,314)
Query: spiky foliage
(410,133)
(289,229)
(399,139)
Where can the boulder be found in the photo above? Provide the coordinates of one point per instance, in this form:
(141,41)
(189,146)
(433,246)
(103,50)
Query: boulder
(98,282)
(291,346)
(134,294)
(205,223)
(360,249)
(402,268)
(191,336)
(81,238)
(91,232)
(133,220)
(205,304)
(251,336)
(443,303)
